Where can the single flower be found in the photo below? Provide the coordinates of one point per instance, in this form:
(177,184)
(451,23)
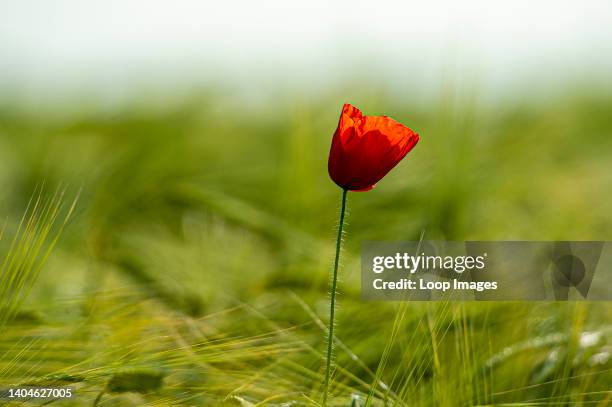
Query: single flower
(365,148)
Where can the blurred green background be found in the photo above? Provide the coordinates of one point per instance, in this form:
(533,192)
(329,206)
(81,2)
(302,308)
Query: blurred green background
(202,239)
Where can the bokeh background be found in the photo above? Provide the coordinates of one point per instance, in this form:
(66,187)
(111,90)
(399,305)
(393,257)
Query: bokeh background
(193,268)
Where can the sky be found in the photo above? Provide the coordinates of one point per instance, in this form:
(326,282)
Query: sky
(119,46)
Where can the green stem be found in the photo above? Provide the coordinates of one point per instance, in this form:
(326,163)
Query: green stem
(99,398)
(332,307)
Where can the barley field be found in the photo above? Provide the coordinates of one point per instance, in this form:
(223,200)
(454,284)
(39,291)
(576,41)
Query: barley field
(178,253)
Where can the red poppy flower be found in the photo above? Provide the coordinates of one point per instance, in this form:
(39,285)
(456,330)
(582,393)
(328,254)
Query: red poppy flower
(365,148)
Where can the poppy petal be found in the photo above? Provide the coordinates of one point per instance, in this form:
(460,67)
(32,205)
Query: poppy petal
(365,148)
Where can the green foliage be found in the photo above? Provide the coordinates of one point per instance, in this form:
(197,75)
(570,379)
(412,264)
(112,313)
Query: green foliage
(32,242)
(140,381)
(200,250)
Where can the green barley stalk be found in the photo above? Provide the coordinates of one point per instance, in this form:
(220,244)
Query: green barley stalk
(37,234)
